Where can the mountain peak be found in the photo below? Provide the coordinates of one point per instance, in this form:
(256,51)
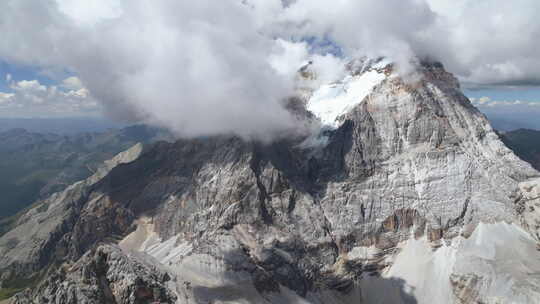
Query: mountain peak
(332,101)
(413,188)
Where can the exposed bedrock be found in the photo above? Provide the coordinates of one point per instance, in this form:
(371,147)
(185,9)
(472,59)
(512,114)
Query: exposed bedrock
(410,198)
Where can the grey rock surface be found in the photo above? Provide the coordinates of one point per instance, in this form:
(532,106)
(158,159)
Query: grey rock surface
(103,275)
(411,198)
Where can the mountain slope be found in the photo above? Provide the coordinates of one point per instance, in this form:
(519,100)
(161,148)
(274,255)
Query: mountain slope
(409,198)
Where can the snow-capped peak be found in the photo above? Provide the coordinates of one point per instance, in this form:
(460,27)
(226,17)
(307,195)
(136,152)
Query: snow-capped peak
(331,101)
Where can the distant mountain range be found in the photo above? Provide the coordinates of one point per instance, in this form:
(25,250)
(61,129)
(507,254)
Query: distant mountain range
(525,143)
(63,126)
(34,165)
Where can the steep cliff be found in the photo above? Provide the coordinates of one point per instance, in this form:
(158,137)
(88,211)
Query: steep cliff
(406,196)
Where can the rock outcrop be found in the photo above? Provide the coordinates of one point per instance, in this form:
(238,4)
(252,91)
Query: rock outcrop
(408,197)
(103,275)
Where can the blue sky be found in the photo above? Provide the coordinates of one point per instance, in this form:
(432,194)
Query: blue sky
(32,93)
(18,73)
(531,94)
(21,72)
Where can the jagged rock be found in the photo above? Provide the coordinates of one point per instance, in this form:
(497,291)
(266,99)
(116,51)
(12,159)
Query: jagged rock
(409,197)
(101,276)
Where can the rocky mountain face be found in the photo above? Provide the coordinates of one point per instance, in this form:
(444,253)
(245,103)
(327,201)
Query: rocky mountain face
(406,196)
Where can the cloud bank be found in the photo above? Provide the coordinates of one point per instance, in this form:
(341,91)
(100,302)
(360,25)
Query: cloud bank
(70,98)
(507,115)
(196,67)
(212,67)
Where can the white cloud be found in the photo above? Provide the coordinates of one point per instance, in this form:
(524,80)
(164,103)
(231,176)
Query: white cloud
(288,57)
(72,83)
(328,68)
(509,114)
(491,41)
(481,41)
(488,102)
(197,67)
(208,67)
(89,13)
(5,98)
(30,98)
(28,86)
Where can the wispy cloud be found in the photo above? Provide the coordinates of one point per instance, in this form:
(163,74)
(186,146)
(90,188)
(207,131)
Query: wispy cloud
(488,102)
(509,114)
(30,98)
(210,67)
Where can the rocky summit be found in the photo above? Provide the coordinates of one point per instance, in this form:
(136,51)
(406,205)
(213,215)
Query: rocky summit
(406,195)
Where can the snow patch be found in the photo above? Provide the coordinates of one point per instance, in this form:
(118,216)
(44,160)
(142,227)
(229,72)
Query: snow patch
(422,268)
(364,253)
(145,239)
(331,101)
(169,251)
(140,239)
(502,256)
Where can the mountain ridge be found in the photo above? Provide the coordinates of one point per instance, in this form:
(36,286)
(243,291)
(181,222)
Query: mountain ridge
(411,178)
